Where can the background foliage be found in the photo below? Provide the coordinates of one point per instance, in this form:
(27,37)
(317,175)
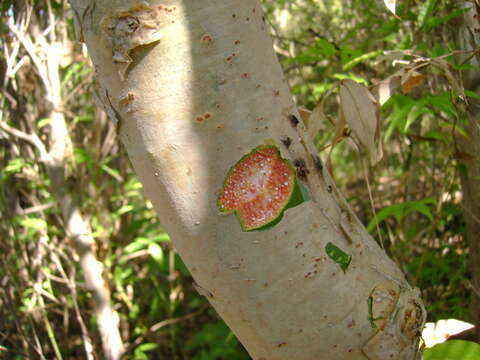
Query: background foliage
(44,306)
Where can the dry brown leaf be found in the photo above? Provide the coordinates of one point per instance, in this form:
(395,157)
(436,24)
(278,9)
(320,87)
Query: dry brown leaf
(411,80)
(385,88)
(305,115)
(314,120)
(362,114)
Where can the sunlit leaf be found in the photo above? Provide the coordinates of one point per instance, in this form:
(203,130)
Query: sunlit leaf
(14,166)
(156,252)
(43,122)
(33,223)
(453,350)
(124,209)
(112,172)
(138,244)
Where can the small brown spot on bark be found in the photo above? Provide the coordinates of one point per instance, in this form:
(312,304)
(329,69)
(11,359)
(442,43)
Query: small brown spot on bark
(301,168)
(317,162)
(293,120)
(207,39)
(286,141)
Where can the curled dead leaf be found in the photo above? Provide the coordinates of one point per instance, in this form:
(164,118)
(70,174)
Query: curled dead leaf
(411,80)
(362,115)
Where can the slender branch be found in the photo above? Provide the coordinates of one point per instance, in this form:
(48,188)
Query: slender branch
(33,139)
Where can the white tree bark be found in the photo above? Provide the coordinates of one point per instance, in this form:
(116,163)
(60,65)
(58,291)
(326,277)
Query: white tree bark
(194,86)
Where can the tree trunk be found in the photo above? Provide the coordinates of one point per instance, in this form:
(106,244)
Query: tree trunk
(194,86)
(469,39)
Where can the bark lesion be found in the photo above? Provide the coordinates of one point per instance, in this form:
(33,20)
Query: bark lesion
(136,27)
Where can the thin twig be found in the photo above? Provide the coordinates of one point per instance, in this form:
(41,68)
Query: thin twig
(372,203)
(33,139)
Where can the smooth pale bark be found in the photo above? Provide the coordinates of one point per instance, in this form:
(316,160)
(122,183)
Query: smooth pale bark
(160,72)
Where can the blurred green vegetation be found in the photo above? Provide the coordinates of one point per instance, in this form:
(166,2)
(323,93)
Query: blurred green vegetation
(415,188)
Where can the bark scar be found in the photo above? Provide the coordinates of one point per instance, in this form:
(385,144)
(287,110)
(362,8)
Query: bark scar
(129,29)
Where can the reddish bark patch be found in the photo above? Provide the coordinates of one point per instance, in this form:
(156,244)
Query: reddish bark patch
(258,188)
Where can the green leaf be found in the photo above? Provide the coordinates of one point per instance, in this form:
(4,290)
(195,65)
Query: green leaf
(443,102)
(325,48)
(156,253)
(124,209)
(351,76)
(350,64)
(425,11)
(401,210)
(395,210)
(338,255)
(147,347)
(437,135)
(82,156)
(453,350)
(33,223)
(43,122)
(402,106)
(139,244)
(14,166)
(421,208)
(435,21)
(84,118)
(472,94)
(415,112)
(112,172)
(163,237)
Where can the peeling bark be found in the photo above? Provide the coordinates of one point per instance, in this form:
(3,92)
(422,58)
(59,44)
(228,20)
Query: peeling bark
(189,107)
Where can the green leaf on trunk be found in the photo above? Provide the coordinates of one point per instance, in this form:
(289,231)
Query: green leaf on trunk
(338,255)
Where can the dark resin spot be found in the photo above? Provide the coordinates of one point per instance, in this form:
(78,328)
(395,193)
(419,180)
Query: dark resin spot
(286,141)
(293,120)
